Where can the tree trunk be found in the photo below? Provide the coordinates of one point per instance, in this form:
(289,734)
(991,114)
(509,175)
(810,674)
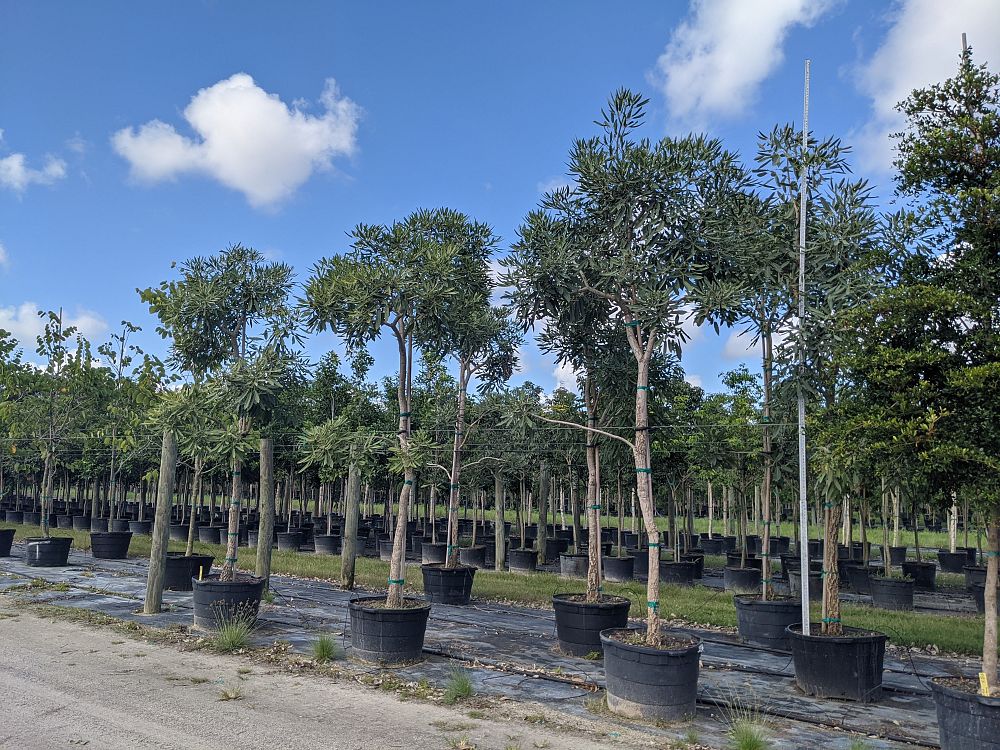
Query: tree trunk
(228,572)
(198,465)
(500,552)
(349,538)
(831,580)
(543,510)
(265,527)
(990,599)
(161,525)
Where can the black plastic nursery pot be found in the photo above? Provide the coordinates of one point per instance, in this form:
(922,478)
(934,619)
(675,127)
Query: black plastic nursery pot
(6,540)
(388,636)
(290,541)
(815,584)
(974,574)
(698,558)
(65,522)
(98,524)
(432,553)
(522,560)
(713,546)
(110,545)
(32,518)
(922,573)
(650,683)
(579,623)
(978,592)
(474,557)
(217,602)
(619,569)
(847,666)
(117,524)
(181,570)
(14,516)
(765,623)
(327,544)
(678,573)
(892,593)
(897,555)
(139,527)
(573,566)
(742,580)
(858,578)
(966,721)
(51,552)
(178,532)
(209,534)
(952,562)
(448,585)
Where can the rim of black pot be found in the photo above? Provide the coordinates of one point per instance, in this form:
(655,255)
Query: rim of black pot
(110,533)
(992,702)
(617,600)
(755,598)
(851,634)
(50,538)
(607,636)
(213,578)
(441,566)
(358,603)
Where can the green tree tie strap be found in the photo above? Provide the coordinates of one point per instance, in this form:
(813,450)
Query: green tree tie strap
(654,545)
(831,620)
(828,506)
(595,507)
(407,481)
(399,581)
(990,553)
(643,471)
(642,387)
(633,324)
(405,413)
(655,606)
(455,485)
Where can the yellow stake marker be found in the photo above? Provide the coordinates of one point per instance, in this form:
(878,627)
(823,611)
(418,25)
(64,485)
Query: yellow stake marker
(984,685)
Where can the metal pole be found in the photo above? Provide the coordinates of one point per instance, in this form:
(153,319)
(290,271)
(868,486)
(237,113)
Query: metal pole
(803,504)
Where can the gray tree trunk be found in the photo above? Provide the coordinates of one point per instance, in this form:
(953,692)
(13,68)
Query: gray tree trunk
(349,537)
(265,529)
(161,525)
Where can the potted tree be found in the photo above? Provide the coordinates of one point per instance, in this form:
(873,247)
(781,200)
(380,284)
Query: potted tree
(636,244)
(229,316)
(400,277)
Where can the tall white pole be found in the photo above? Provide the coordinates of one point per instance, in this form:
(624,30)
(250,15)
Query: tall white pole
(803,504)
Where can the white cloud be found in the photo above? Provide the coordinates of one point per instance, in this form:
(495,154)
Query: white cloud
(738,346)
(25,324)
(693,378)
(921,47)
(247,139)
(565,376)
(552,184)
(4,258)
(16,175)
(717,58)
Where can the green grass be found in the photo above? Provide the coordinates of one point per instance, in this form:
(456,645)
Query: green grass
(696,605)
(458,687)
(233,634)
(326,649)
(746,734)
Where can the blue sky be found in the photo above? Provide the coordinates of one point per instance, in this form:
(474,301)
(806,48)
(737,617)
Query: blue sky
(137,135)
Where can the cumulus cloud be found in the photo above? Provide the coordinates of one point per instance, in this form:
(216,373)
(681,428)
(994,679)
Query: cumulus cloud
(921,47)
(693,378)
(738,346)
(25,324)
(565,376)
(16,175)
(245,138)
(717,58)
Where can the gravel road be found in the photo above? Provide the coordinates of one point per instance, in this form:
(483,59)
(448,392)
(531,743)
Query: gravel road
(66,685)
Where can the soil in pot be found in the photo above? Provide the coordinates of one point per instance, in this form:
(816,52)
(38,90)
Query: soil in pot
(966,720)
(848,666)
(388,636)
(659,684)
(522,560)
(892,593)
(619,569)
(764,623)
(110,545)
(51,552)
(741,580)
(217,602)
(922,573)
(573,566)
(6,540)
(579,623)
(448,585)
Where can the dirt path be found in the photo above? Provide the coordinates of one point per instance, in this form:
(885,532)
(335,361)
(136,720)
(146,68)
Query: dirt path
(66,685)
